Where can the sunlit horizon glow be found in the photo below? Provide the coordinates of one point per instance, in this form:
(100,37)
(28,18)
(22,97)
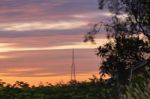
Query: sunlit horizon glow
(38,80)
(56,79)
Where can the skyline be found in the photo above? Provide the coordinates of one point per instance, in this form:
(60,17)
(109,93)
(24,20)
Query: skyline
(37,38)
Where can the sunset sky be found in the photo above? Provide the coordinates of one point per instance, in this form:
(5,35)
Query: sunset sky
(37,38)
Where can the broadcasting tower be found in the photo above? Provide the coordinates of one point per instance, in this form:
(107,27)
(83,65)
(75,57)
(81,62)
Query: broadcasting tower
(73,69)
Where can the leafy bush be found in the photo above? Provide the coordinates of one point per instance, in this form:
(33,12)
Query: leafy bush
(138,90)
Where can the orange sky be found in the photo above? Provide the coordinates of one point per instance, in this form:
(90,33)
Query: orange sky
(53,80)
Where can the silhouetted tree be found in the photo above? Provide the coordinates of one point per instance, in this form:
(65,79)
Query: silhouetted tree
(129,39)
(128,35)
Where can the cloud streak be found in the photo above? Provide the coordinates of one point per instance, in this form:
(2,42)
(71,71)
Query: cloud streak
(75,45)
(32,26)
(92,15)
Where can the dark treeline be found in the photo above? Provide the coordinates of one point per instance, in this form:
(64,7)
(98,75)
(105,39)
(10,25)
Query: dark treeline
(95,89)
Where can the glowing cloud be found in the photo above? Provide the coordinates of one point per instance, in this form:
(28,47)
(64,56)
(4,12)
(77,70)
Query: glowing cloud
(5,47)
(4,57)
(76,45)
(23,69)
(93,15)
(31,26)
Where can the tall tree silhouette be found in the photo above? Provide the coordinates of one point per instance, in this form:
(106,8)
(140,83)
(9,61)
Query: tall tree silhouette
(128,35)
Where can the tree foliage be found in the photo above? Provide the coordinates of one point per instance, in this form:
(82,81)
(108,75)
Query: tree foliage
(128,35)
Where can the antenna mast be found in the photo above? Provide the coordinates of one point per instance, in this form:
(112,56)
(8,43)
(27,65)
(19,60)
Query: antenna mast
(73,69)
